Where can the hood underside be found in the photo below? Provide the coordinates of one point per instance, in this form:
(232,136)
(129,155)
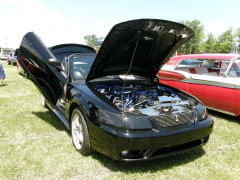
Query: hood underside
(139,47)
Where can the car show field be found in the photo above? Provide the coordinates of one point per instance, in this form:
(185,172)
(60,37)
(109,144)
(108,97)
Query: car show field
(36,145)
(128,90)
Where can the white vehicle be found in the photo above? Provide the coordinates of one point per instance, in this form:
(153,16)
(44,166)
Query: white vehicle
(4,52)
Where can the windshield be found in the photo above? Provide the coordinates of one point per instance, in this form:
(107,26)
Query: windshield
(80,65)
(190,63)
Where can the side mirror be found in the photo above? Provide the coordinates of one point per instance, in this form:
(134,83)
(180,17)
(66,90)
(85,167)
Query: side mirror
(56,63)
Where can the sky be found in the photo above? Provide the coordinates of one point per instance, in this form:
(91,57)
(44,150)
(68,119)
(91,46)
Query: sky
(68,21)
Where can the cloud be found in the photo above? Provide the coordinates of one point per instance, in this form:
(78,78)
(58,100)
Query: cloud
(25,16)
(215,27)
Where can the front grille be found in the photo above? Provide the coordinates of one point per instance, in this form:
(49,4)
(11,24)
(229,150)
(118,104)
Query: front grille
(178,148)
(174,119)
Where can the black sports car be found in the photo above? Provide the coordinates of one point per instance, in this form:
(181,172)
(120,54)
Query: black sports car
(112,101)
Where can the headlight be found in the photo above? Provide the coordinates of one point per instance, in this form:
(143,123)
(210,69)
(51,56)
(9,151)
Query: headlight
(124,121)
(203,113)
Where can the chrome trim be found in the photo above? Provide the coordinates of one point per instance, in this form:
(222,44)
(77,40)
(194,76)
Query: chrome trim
(173,71)
(228,68)
(222,111)
(212,83)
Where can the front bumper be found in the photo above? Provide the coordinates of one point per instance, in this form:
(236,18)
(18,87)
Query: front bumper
(149,144)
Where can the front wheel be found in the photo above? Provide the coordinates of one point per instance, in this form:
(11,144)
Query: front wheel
(80,134)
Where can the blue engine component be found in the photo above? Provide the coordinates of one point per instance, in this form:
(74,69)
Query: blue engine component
(136,97)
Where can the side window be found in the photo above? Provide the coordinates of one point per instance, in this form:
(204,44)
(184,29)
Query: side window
(81,65)
(216,65)
(234,70)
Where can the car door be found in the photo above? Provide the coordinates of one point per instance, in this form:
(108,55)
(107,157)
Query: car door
(217,92)
(213,92)
(42,67)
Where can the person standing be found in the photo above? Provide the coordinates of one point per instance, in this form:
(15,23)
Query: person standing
(2,74)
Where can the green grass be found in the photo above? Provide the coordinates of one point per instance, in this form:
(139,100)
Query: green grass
(34,144)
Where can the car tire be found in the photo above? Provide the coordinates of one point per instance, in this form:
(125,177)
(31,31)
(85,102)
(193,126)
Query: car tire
(80,134)
(43,101)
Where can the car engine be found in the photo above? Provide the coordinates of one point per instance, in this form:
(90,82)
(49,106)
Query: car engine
(151,101)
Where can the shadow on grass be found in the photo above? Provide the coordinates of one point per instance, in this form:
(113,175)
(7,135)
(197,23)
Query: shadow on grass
(151,165)
(224,116)
(52,119)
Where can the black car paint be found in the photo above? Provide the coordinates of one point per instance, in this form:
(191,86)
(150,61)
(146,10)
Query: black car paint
(144,45)
(63,95)
(64,50)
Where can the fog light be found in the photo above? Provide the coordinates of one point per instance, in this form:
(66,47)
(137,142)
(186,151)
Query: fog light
(205,139)
(124,153)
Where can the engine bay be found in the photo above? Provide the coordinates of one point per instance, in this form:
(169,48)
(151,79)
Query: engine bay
(148,100)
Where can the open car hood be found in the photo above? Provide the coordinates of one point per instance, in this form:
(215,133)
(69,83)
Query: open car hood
(139,47)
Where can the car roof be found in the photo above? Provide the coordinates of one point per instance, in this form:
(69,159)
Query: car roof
(207,56)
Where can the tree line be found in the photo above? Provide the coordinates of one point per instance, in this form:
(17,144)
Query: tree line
(227,42)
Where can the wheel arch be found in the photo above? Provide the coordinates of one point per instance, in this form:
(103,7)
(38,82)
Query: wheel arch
(73,106)
(76,104)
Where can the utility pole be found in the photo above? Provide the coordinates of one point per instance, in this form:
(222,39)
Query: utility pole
(6,42)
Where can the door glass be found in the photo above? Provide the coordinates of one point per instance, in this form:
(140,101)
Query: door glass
(81,65)
(234,71)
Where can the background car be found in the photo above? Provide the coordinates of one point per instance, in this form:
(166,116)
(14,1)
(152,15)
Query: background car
(111,101)
(4,56)
(12,58)
(212,78)
(8,58)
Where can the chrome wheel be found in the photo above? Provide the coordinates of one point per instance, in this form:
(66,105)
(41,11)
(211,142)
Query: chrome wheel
(77,131)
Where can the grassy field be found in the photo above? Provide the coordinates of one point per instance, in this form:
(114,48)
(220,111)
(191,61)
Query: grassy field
(34,144)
